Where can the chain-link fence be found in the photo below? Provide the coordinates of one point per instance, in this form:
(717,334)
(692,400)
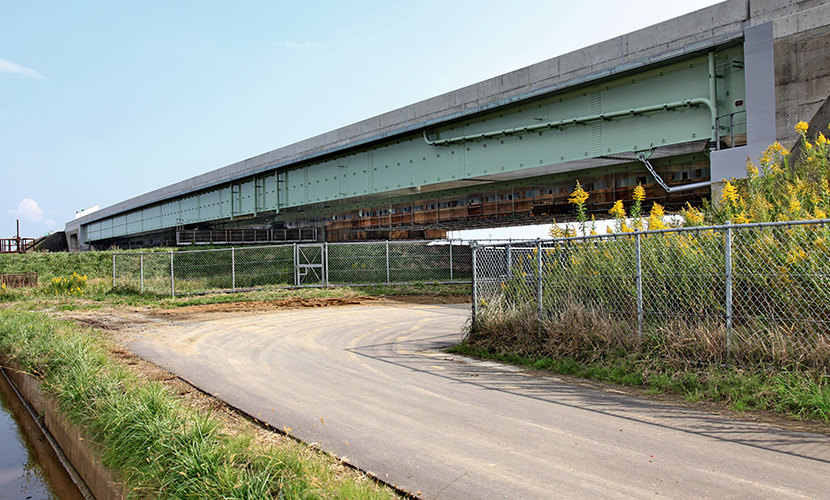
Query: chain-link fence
(758,291)
(297,265)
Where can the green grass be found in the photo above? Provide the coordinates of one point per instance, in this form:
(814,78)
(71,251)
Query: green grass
(98,267)
(798,393)
(157,445)
(51,265)
(98,293)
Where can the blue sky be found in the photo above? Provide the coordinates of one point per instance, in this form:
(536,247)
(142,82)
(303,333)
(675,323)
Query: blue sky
(101,101)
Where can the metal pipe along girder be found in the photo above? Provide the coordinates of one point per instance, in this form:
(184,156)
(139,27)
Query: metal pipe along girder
(579,120)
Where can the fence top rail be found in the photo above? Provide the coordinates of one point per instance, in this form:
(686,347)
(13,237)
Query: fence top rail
(753,225)
(455,242)
(203,250)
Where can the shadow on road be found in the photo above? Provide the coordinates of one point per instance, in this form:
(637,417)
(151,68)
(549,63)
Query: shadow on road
(425,355)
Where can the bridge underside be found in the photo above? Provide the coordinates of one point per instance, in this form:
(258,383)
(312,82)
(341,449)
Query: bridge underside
(534,200)
(488,169)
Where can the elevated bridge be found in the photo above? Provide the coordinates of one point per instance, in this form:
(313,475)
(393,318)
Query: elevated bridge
(677,107)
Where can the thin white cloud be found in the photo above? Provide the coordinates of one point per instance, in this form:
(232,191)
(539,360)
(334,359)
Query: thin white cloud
(29,211)
(13,67)
(303,45)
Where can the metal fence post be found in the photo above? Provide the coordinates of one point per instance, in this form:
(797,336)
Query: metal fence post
(387,263)
(113,270)
(475,294)
(296,266)
(141,270)
(509,259)
(728,271)
(233,269)
(638,265)
(172,279)
(451,280)
(325,264)
(539,278)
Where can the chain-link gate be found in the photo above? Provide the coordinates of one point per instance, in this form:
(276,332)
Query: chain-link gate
(309,266)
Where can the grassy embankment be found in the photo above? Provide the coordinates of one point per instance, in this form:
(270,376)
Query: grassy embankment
(769,365)
(158,444)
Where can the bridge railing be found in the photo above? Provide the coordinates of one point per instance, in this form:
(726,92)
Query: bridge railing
(753,290)
(294,265)
(245,236)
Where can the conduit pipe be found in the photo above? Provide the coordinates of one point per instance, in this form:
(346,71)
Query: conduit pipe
(713,98)
(580,120)
(710,103)
(684,187)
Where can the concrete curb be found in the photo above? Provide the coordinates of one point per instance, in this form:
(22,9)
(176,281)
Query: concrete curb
(73,442)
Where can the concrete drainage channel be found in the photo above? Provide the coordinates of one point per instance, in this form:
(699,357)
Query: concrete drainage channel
(48,435)
(73,468)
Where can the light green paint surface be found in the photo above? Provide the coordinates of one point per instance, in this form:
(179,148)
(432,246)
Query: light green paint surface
(407,161)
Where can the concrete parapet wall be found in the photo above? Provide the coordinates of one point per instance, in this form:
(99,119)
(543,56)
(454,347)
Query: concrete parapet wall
(802,66)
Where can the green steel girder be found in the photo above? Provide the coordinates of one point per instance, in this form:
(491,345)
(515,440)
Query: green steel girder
(666,106)
(635,167)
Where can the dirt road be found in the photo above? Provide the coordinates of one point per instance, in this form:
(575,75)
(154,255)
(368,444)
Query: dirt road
(370,384)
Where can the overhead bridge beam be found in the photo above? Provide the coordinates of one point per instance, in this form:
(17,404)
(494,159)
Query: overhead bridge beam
(496,148)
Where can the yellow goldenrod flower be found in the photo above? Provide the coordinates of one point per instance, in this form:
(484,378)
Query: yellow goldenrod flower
(730,194)
(820,139)
(741,218)
(801,127)
(795,205)
(796,256)
(820,214)
(751,169)
(692,215)
(657,210)
(655,219)
(579,195)
(655,223)
(639,193)
(776,147)
(808,145)
(618,211)
(766,157)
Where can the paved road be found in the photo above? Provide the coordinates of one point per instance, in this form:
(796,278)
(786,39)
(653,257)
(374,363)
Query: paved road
(369,383)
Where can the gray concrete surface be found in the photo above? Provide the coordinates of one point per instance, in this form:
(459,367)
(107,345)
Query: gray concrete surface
(370,383)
